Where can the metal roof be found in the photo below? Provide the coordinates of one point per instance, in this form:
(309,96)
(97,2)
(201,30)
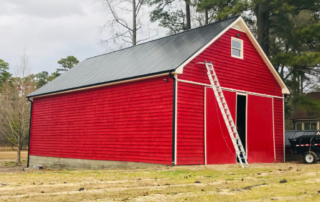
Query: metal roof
(154,57)
(290,134)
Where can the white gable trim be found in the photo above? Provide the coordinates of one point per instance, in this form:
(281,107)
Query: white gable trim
(237,27)
(241,26)
(179,70)
(100,85)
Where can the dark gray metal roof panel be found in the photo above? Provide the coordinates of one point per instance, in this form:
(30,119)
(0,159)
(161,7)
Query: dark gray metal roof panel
(290,134)
(161,55)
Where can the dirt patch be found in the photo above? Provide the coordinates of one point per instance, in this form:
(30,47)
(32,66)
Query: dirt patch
(7,161)
(12,169)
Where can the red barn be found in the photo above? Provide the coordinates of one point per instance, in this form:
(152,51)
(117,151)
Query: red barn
(152,103)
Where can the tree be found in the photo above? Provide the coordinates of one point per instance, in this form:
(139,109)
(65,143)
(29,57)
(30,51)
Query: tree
(171,15)
(15,111)
(296,55)
(4,74)
(53,76)
(14,108)
(67,63)
(125,29)
(41,79)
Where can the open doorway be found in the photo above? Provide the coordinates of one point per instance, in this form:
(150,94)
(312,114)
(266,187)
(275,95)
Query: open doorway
(241,121)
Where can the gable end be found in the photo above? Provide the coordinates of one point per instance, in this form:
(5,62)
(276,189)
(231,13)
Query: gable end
(240,25)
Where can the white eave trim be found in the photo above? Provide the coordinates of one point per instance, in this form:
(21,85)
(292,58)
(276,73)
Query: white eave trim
(240,23)
(99,85)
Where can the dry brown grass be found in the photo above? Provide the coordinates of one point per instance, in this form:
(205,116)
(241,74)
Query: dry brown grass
(217,183)
(9,155)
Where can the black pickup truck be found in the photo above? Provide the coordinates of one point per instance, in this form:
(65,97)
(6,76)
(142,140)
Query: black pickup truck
(307,146)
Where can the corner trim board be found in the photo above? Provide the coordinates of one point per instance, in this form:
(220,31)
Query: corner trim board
(28,161)
(174,148)
(274,133)
(205,125)
(284,125)
(176,120)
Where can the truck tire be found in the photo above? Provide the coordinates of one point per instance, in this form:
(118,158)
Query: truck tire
(310,157)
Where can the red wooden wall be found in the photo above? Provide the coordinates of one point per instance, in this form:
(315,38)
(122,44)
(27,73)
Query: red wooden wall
(124,122)
(249,74)
(278,129)
(219,148)
(190,129)
(260,136)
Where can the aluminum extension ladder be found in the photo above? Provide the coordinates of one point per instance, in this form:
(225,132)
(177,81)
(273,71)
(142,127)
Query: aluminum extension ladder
(232,129)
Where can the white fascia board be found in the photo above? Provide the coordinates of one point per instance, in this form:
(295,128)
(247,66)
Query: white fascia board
(100,85)
(179,70)
(284,88)
(240,23)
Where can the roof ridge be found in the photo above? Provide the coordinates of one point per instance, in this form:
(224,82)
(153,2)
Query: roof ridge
(236,16)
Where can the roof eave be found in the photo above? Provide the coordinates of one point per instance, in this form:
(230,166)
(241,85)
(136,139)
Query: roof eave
(96,85)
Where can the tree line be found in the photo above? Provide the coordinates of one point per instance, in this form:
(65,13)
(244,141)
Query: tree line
(15,108)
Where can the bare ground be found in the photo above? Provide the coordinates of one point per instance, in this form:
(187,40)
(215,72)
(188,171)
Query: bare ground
(181,183)
(7,161)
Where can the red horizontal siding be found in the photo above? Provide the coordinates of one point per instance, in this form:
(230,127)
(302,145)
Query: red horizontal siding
(278,129)
(248,74)
(190,124)
(219,147)
(260,137)
(124,122)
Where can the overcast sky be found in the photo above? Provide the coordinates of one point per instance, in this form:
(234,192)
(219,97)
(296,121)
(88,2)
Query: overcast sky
(49,30)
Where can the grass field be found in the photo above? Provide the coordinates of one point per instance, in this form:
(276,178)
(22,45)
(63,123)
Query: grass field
(181,183)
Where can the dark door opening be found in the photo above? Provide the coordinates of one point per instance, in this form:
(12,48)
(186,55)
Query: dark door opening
(241,121)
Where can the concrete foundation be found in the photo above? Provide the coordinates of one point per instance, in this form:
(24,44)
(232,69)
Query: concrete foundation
(69,163)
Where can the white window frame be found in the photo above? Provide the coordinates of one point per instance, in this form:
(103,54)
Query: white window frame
(241,50)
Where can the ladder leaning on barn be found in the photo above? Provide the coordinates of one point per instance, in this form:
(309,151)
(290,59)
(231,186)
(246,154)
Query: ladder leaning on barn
(232,129)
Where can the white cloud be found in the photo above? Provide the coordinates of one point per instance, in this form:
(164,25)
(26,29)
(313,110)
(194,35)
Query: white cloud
(49,30)
(53,29)
(41,8)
